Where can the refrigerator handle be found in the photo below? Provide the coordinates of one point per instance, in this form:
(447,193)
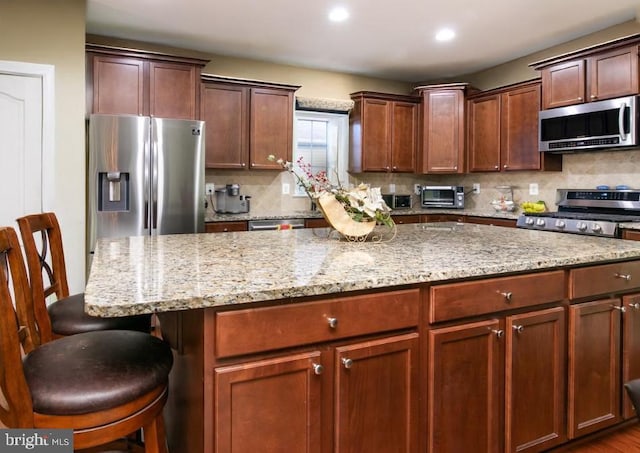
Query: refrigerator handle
(155,214)
(146,215)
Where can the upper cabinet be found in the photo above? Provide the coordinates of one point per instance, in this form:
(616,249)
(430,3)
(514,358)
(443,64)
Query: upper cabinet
(246,122)
(135,82)
(383,132)
(442,125)
(503,131)
(600,72)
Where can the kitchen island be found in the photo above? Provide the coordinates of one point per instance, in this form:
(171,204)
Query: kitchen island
(293,341)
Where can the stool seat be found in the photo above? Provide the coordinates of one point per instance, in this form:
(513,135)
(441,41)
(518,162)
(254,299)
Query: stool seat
(95,371)
(69,318)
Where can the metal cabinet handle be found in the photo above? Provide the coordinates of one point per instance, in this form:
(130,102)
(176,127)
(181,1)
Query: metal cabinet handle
(347,363)
(499,332)
(518,329)
(626,277)
(580,98)
(635,306)
(621,309)
(496,167)
(317,369)
(505,166)
(506,294)
(333,322)
(243,164)
(593,96)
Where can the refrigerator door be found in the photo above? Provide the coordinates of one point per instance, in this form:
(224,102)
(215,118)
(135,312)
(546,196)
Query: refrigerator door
(177,176)
(118,176)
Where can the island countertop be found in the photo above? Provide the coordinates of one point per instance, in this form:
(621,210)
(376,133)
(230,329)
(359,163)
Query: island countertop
(189,271)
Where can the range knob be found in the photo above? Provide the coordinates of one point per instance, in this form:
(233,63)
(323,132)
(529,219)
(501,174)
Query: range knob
(560,224)
(582,226)
(529,221)
(596,228)
(540,222)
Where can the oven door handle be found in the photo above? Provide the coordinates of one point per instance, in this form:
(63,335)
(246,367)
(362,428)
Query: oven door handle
(621,132)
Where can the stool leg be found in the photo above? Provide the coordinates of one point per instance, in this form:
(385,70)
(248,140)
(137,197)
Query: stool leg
(155,436)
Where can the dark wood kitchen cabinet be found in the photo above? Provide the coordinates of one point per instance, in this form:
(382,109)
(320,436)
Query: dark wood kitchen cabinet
(348,381)
(503,131)
(246,122)
(502,378)
(135,82)
(604,345)
(383,131)
(442,125)
(599,72)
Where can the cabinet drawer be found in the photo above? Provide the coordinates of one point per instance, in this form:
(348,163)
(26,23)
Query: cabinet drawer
(604,279)
(459,300)
(261,329)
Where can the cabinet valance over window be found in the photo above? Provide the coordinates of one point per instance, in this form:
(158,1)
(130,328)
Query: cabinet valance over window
(324,105)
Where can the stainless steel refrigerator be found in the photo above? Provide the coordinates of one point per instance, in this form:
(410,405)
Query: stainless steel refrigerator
(145,176)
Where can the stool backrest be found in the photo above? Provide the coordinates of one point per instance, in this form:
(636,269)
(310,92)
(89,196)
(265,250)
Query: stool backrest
(16,327)
(47,269)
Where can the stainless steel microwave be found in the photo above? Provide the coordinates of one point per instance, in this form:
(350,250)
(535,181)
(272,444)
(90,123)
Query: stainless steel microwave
(442,197)
(594,125)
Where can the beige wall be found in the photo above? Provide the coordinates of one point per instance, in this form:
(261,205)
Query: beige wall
(53,32)
(518,70)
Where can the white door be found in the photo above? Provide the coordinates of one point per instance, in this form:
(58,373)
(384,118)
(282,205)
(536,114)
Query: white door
(25,139)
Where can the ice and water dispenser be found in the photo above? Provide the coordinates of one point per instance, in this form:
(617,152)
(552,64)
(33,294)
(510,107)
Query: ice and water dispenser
(113,191)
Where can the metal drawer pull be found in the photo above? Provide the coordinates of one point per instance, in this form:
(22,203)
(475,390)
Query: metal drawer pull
(518,329)
(507,295)
(499,332)
(622,309)
(635,306)
(626,277)
(317,369)
(333,322)
(348,363)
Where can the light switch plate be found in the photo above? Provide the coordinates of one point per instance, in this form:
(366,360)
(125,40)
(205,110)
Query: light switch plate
(533,188)
(285,189)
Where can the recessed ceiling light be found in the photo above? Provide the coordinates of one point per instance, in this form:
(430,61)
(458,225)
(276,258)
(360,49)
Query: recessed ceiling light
(445,34)
(338,14)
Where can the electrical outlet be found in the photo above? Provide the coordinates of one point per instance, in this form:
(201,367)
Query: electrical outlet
(476,188)
(533,188)
(392,188)
(209,188)
(285,189)
(417,189)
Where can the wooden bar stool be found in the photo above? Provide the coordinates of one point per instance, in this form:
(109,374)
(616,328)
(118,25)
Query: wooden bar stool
(104,384)
(66,315)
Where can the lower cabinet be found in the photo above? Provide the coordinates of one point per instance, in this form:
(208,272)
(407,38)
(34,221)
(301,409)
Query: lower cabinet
(363,393)
(604,354)
(498,384)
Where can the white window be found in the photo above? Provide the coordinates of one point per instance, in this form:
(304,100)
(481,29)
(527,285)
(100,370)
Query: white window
(321,140)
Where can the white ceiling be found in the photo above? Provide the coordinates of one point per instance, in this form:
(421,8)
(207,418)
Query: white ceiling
(392,39)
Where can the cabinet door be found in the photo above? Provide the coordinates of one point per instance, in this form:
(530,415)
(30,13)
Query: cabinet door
(613,74)
(404,136)
(465,380)
(484,134)
(631,235)
(376,396)
(519,128)
(270,127)
(630,348)
(118,85)
(271,405)
(225,111)
(376,137)
(174,90)
(443,132)
(535,380)
(563,84)
(594,366)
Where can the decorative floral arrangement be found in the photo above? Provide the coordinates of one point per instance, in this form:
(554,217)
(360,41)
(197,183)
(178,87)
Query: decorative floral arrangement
(363,204)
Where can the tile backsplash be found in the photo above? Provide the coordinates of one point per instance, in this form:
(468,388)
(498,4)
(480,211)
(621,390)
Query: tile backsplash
(584,170)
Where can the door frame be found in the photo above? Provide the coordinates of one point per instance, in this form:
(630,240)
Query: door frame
(46,74)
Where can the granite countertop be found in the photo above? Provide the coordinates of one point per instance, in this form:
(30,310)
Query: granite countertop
(308,214)
(189,271)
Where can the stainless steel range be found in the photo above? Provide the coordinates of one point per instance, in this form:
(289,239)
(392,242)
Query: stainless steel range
(591,212)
